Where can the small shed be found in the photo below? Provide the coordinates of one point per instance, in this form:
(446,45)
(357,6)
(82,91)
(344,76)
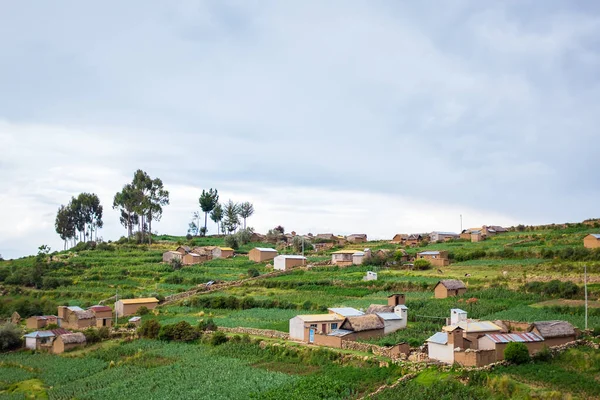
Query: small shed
(436,258)
(286,262)
(262,254)
(103,315)
(191,259)
(592,241)
(399,238)
(342,257)
(357,238)
(183,249)
(477,237)
(222,252)
(169,256)
(67,342)
(137,321)
(358,257)
(449,288)
(371,276)
(35,340)
(554,333)
(41,321)
(126,307)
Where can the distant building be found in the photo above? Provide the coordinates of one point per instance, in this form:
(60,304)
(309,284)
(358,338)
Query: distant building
(342,257)
(169,256)
(286,262)
(442,236)
(262,254)
(68,341)
(399,238)
(449,288)
(592,241)
(357,238)
(304,327)
(414,239)
(73,317)
(362,327)
(436,258)
(554,332)
(41,321)
(126,307)
(42,340)
(222,252)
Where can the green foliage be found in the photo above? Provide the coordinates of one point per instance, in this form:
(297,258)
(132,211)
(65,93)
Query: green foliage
(143,311)
(422,264)
(10,337)
(516,353)
(253,273)
(218,338)
(92,336)
(554,288)
(179,332)
(207,325)
(232,241)
(176,264)
(149,329)
(544,355)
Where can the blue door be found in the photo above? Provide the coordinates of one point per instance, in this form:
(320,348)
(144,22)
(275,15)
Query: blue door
(311,335)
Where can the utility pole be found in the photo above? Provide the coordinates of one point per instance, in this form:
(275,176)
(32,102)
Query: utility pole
(586,296)
(461,223)
(116,315)
(302,238)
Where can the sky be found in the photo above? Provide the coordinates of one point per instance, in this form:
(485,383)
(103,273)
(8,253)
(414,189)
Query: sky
(376,117)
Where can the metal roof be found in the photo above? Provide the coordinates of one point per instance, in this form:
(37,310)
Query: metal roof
(388,316)
(445,233)
(101,308)
(75,308)
(339,332)
(347,311)
(40,334)
(134,319)
(596,235)
(293,257)
(359,253)
(513,337)
(439,338)
(265,249)
(474,326)
(429,253)
(458,311)
(139,301)
(319,317)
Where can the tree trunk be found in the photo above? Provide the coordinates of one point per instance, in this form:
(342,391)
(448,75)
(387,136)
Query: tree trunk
(244,223)
(150,229)
(205,219)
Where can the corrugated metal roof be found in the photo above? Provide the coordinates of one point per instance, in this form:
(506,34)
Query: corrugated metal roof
(226,248)
(346,311)
(388,316)
(319,317)
(101,308)
(458,311)
(40,334)
(439,338)
(429,253)
(474,326)
(138,301)
(293,257)
(596,235)
(266,249)
(339,332)
(359,253)
(134,319)
(446,233)
(514,337)
(75,308)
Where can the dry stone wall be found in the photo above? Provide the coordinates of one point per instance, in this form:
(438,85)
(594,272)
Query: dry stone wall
(256,332)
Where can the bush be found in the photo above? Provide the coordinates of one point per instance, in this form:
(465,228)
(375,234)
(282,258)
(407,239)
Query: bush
(104,332)
(143,310)
(218,338)
(10,337)
(422,264)
(207,325)
(179,332)
(243,236)
(543,355)
(516,353)
(253,273)
(188,236)
(176,264)
(232,241)
(105,247)
(92,336)
(149,329)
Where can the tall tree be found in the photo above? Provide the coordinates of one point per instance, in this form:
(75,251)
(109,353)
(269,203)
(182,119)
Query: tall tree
(208,201)
(157,198)
(143,184)
(64,224)
(89,214)
(217,215)
(232,212)
(127,200)
(246,210)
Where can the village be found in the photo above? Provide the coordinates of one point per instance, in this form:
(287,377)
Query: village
(461,340)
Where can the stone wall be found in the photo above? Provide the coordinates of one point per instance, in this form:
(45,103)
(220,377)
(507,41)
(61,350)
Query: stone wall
(475,358)
(257,332)
(393,352)
(329,341)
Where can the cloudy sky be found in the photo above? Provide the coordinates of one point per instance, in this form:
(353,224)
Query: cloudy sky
(346,116)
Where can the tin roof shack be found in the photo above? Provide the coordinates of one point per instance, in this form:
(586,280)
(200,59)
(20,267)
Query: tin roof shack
(362,327)
(68,341)
(304,327)
(41,321)
(126,307)
(449,288)
(287,262)
(73,317)
(554,333)
(342,258)
(357,238)
(42,340)
(136,321)
(222,252)
(262,254)
(498,342)
(442,236)
(169,256)
(103,315)
(592,241)
(436,258)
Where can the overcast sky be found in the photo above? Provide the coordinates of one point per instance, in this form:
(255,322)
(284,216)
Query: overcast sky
(330,116)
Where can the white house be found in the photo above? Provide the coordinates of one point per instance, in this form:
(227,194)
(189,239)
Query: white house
(286,262)
(304,327)
(394,321)
(371,276)
(438,348)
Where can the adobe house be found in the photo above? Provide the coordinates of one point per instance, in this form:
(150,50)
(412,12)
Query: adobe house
(394,317)
(191,258)
(326,236)
(73,317)
(449,288)
(342,258)
(358,257)
(362,327)
(323,246)
(126,307)
(554,333)
(477,237)
(413,239)
(441,345)
(442,236)
(287,262)
(435,257)
(357,238)
(68,341)
(498,342)
(396,299)
(41,321)
(42,340)
(592,241)
(344,312)
(262,254)
(304,327)
(103,315)
(399,238)
(222,252)
(183,250)
(169,256)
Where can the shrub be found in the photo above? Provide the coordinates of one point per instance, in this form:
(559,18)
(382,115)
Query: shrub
(180,332)
(516,353)
(218,338)
(105,247)
(244,236)
(92,336)
(149,329)
(104,332)
(188,236)
(10,337)
(543,355)
(176,264)
(207,325)
(143,310)
(253,273)
(232,241)
(422,264)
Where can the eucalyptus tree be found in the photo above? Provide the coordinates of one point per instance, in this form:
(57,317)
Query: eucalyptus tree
(246,209)
(208,201)
(231,211)
(216,215)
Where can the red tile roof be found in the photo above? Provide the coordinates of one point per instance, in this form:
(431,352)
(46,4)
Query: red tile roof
(100,308)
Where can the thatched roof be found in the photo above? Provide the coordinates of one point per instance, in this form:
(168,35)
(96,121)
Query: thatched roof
(71,338)
(502,325)
(363,323)
(553,329)
(379,308)
(87,314)
(452,284)
(184,248)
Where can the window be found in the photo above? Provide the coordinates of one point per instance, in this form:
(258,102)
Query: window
(103,322)
(334,326)
(313,326)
